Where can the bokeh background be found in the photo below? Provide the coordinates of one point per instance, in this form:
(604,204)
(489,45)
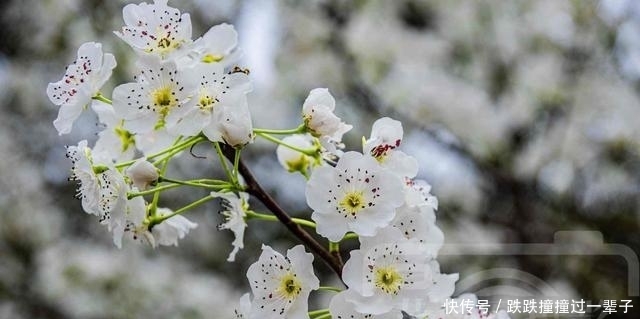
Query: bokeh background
(524,116)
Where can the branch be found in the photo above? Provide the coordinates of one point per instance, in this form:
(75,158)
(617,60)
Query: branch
(254,188)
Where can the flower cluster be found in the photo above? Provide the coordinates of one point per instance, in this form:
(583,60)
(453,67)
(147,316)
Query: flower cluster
(188,92)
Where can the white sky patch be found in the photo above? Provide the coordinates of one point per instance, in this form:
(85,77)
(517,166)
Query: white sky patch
(259,36)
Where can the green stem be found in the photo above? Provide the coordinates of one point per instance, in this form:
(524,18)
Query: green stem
(299,129)
(223,161)
(179,146)
(151,191)
(158,220)
(272,218)
(196,183)
(350,236)
(319,312)
(328,288)
(156,196)
(309,152)
(325,316)
(102,98)
(236,162)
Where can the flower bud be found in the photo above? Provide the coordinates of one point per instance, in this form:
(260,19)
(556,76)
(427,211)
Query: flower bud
(294,161)
(318,116)
(143,174)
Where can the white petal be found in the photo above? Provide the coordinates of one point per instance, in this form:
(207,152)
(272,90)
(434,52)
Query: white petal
(190,123)
(352,273)
(340,307)
(220,39)
(67,114)
(302,265)
(319,97)
(106,113)
(169,231)
(376,304)
(330,226)
(317,190)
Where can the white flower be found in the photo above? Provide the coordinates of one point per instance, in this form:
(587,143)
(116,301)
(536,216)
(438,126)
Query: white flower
(244,309)
(170,230)
(443,285)
(387,272)
(341,308)
(81,81)
(418,222)
(114,141)
(357,195)
(281,285)
(113,198)
(294,161)
(317,113)
(386,137)
(235,208)
(82,171)
(132,221)
(159,91)
(142,173)
(331,149)
(417,192)
(218,108)
(156,29)
(218,45)
(416,219)
(101,189)
(237,129)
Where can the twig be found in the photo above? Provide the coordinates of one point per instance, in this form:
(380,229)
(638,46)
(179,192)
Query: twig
(254,188)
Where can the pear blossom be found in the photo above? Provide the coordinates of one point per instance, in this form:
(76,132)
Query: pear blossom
(114,142)
(235,207)
(442,285)
(218,45)
(387,272)
(132,220)
(236,127)
(159,91)
(418,222)
(292,160)
(156,29)
(317,113)
(100,188)
(386,137)
(113,198)
(82,171)
(418,192)
(416,217)
(339,307)
(142,173)
(357,195)
(331,149)
(81,81)
(170,230)
(281,285)
(103,191)
(218,108)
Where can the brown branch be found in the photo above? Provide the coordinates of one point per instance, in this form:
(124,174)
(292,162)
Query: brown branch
(254,188)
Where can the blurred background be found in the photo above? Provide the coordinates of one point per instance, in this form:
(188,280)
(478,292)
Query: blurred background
(524,116)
